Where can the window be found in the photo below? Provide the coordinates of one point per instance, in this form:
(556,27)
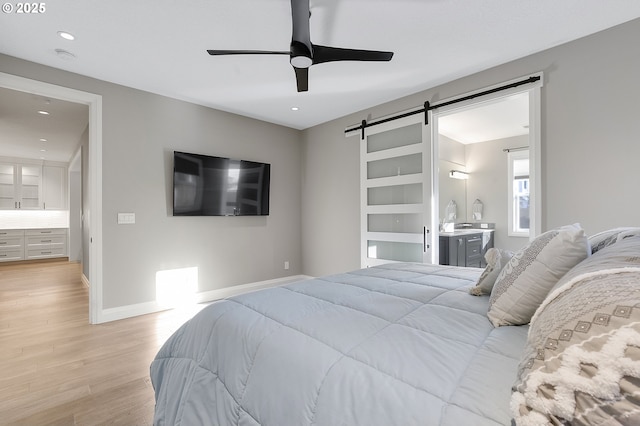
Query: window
(518,201)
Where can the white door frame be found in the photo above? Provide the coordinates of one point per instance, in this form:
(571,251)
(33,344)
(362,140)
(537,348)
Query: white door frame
(535,130)
(94,102)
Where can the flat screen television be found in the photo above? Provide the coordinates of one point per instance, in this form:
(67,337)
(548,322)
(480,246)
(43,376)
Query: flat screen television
(216,186)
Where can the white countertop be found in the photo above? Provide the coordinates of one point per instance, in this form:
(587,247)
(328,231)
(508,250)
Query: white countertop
(465,231)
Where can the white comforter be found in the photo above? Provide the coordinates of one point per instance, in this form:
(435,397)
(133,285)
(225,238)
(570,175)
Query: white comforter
(400,344)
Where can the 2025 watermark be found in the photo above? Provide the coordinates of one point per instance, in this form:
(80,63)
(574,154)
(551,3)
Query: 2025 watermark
(24,8)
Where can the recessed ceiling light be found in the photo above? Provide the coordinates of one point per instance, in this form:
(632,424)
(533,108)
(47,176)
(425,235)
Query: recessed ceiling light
(65,35)
(43,140)
(43,150)
(294,108)
(43,112)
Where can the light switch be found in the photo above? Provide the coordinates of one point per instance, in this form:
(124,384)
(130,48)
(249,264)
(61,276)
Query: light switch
(126,218)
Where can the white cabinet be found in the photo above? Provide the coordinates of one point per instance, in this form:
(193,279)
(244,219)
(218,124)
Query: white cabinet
(20,186)
(26,186)
(54,188)
(30,181)
(11,245)
(45,243)
(32,244)
(8,186)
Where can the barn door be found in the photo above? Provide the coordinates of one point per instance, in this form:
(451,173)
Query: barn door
(396,192)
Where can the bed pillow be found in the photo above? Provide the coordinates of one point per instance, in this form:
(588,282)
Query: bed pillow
(532,271)
(581,364)
(606,238)
(496,259)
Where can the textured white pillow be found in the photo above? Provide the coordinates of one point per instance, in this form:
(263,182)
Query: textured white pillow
(611,236)
(526,280)
(580,364)
(496,259)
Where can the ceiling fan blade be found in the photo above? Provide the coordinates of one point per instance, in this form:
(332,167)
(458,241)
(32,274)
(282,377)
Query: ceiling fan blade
(323,54)
(246,52)
(300,21)
(303,53)
(302,78)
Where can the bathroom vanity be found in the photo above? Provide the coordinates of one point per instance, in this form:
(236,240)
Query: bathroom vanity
(465,247)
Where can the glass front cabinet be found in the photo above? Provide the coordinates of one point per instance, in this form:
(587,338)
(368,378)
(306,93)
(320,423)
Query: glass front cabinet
(20,186)
(395,173)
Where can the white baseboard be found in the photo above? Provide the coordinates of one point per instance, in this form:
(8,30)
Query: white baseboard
(221,293)
(122,312)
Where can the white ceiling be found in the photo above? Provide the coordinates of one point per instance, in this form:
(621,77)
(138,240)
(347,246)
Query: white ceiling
(160,46)
(498,119)
(22,128)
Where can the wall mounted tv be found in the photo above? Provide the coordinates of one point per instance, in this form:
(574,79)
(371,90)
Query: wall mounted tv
(216,186)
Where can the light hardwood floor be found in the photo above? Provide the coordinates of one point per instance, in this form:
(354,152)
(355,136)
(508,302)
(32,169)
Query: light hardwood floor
(56,368)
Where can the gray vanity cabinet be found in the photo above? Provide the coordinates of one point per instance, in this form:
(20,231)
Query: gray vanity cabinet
(465,248)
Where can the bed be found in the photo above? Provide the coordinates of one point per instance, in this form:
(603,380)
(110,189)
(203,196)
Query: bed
(397,344)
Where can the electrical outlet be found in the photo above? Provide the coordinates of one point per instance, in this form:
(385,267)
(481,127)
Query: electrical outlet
(286,265)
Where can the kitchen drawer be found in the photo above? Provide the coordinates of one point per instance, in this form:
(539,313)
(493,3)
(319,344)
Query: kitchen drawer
(11,242)
(48,240)
(11,245)
(8,255)
(11,233)
(45,231)
(41,243)
(44,253)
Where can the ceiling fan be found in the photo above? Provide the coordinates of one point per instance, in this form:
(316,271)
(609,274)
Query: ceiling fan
(303,53)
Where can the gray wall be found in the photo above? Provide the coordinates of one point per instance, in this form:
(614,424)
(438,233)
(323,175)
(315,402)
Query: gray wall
(487,163)
(227,250)
(140,131)
(451,156)
(488,167)
(589,153)
(589,135)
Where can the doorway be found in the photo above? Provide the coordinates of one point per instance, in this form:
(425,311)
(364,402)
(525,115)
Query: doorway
(475,148)
(94,175)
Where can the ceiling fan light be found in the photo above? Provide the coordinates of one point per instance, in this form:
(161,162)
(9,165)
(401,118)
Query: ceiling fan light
(301,61)
(300,55)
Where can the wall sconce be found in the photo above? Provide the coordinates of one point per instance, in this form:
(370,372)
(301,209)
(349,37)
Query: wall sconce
(457,174)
